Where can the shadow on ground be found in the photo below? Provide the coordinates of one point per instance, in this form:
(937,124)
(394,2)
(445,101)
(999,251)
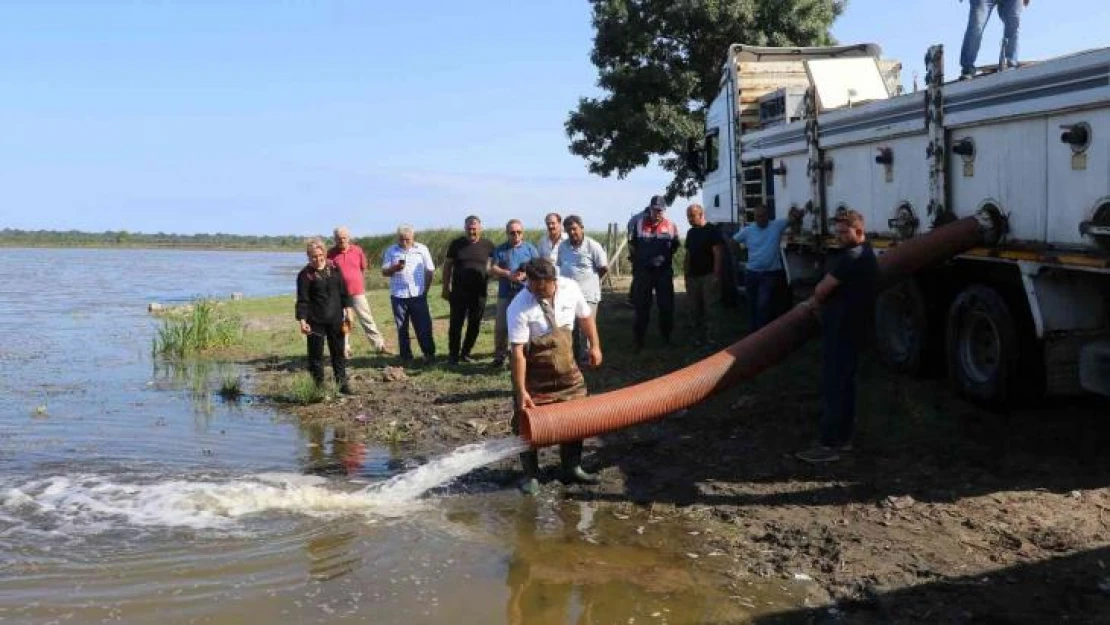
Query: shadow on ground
(1070,589)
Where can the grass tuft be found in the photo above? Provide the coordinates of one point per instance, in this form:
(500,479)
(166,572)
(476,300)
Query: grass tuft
(231,387)
(203,325)
(298,389)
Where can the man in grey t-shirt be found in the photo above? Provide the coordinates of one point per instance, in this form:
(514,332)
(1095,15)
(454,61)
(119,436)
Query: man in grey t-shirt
(583,260)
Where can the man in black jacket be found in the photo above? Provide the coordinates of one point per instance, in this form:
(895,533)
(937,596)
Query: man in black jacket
(323,305)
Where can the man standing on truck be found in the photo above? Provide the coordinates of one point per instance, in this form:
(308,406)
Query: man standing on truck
(1010,13)
(764,278)
(843,299)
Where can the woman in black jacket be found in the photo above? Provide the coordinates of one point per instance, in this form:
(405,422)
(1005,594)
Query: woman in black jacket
(322,307)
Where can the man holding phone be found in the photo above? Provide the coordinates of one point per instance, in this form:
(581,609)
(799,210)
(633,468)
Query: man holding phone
(410,270)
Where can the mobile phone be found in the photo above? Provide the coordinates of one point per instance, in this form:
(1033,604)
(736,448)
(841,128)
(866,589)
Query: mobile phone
(401,261)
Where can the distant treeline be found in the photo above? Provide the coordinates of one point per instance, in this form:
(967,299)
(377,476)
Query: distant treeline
(436,240)
(121,238)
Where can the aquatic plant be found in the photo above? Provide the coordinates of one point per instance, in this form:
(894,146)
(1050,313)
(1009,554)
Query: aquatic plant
(200,326)
(231,387)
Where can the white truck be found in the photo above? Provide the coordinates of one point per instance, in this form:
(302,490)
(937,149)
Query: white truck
(827,129)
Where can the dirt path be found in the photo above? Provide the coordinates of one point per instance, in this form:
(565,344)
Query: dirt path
(943,513)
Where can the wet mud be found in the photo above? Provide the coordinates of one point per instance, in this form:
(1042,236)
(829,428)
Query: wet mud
(942,513)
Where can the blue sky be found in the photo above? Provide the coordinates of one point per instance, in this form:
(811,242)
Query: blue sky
(289,117)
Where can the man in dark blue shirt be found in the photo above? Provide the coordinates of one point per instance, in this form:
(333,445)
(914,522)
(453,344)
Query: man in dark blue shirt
(508,266)
(844,298)
(653,239)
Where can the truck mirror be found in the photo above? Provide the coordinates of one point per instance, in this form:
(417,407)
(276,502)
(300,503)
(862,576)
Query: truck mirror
(693,158)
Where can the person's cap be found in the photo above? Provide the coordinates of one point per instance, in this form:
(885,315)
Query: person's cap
(657,202)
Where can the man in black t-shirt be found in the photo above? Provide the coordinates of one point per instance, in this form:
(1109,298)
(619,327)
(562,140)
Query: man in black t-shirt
(702,269)
(845,299)
(465,282)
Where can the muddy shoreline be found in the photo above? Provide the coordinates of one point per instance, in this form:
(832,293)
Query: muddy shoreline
(944,513)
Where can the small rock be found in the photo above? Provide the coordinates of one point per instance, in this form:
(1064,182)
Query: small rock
(393,374)
(361,418)
(803,577)
(1075,494)
(742,402)
(898,502)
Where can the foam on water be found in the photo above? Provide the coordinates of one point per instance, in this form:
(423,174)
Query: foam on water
(83,504)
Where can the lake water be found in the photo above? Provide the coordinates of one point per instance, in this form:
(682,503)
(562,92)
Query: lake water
(130,493)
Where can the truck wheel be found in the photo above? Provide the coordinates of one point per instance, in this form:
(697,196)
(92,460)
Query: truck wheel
(902,327)
(983,348)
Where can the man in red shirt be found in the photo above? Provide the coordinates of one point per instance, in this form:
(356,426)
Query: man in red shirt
(352,263)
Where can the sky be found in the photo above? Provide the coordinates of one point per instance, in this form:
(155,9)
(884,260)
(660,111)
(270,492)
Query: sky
(294,116)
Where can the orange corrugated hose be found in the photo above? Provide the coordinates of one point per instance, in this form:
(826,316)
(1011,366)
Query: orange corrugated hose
(597,414)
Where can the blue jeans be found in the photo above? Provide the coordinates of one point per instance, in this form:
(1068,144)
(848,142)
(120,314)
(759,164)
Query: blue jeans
(414,309)
(763,288)
(1010,13)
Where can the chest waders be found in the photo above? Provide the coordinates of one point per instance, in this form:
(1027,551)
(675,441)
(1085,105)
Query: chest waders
(552,375)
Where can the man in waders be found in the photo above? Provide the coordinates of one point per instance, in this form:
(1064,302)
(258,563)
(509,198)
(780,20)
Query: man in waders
(542,360)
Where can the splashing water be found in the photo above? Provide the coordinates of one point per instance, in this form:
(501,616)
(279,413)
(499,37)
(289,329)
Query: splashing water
(84,504)
(408,486)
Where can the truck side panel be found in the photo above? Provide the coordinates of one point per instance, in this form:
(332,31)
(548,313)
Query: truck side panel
(1078,182)
(1009,169)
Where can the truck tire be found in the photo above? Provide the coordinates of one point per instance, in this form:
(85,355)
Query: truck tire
(902,327)
(983,347)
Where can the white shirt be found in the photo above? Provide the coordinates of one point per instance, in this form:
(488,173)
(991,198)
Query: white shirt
(526,319)
(409,281)
(550,250)
(581,264)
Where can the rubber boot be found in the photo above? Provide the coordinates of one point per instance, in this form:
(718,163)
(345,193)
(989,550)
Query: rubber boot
(571,456)
(530,466)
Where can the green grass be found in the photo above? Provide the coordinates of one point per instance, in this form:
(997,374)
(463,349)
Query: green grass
(231,387)
(194,329)
(298,388)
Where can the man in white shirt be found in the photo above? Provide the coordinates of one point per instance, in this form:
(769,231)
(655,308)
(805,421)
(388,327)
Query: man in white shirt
(410,270)
(549,243)
(583,260)
(542,361)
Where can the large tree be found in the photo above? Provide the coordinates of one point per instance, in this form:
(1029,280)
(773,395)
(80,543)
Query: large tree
(659,62)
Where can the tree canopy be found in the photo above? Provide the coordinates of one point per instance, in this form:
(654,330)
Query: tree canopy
(659,63)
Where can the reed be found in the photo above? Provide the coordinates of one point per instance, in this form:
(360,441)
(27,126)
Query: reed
(195,328)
